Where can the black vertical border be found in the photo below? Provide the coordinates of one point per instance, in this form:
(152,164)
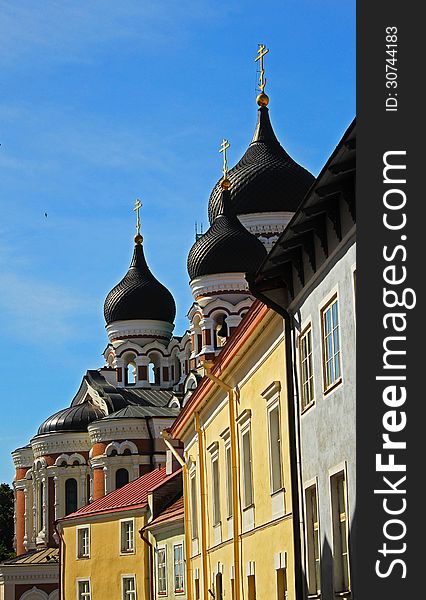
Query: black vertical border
(379,131)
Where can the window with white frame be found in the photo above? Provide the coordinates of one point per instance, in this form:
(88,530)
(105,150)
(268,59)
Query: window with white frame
(340,532)
(306,368)
(228,460)
(331,343)
(83,590)
(83,542)
(194,511)
(162,571)
(129,587)
(247,466)
(215,489)
(178,569)
(274,426)
(312,540)
(127,536)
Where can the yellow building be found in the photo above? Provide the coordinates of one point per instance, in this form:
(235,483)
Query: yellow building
(237,475)
(102,554)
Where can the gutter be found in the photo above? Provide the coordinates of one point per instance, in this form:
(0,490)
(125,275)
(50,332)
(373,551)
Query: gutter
(232,399)
(151,562)
(294,436)
(187,518)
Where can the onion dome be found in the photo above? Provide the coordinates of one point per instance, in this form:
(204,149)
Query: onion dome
(266,179)
(74,418)
(139,295)
(226,247)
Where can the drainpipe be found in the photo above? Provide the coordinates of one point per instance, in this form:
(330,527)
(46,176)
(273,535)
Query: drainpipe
(232,398)
(188,540)
(294,437)
(151,562)
(61,595)
(203,504)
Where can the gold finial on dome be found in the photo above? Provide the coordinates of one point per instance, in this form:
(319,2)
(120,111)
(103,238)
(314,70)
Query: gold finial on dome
(262,99)
(138,238)
(225,183)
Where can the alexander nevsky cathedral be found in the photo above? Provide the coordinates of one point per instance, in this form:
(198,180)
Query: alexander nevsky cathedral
(110,433)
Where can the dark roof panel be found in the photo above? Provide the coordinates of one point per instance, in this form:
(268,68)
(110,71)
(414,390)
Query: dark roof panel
(226,247)
(139,295)
(266,179)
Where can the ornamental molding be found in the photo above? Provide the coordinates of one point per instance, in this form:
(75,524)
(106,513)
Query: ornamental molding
(58,443)
(269,222)
(23,457)
(220,282)
(109,431)
(119,330)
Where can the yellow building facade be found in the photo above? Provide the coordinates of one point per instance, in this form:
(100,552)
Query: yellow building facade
(102,552)
(237,473)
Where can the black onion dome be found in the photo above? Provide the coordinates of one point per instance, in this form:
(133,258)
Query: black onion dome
(266,179)
(226,247)
(74,418)
(139,295)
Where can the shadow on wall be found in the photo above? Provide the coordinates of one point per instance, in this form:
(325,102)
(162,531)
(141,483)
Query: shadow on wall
(327,570)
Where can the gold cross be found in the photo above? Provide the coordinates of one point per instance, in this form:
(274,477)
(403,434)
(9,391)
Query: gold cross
(223,148)
(260,54)
(138,205)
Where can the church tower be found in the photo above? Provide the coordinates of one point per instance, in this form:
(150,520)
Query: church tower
(248,209)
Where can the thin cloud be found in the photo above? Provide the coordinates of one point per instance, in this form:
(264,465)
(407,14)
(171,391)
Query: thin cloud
(39,311)
(72,31)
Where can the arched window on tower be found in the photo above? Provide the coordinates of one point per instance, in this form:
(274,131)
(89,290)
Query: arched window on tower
(121,478)
(41,508)
(131,373)
(70,496)
(197,335)
(220,330)
(154,369)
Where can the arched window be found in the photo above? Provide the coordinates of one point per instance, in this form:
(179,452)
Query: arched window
(221,331)
(41,509)
(70,496)
(131,373)
(121,478)
(151,373)
(154,368)
(126,452)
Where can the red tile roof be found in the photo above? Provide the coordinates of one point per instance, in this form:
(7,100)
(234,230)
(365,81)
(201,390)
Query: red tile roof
(132,495)
(175,512)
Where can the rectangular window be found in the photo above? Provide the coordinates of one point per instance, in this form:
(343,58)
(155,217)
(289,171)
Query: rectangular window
(83,542)
(178,573)
(194,513)
(313,541)
(340,532)
(331,344)
(216,491)
(306,369)
(228,460)
(127,536)
(83,588)
(247,469)
(161,571)
(275,448)
(129,588)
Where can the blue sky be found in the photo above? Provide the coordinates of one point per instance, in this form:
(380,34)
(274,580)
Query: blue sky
(102,102)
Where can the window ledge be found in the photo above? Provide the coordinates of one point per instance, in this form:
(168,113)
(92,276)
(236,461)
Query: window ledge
(302,412)
(248,507)
(346,594)
(331,388)
(279,491)
(314,596)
